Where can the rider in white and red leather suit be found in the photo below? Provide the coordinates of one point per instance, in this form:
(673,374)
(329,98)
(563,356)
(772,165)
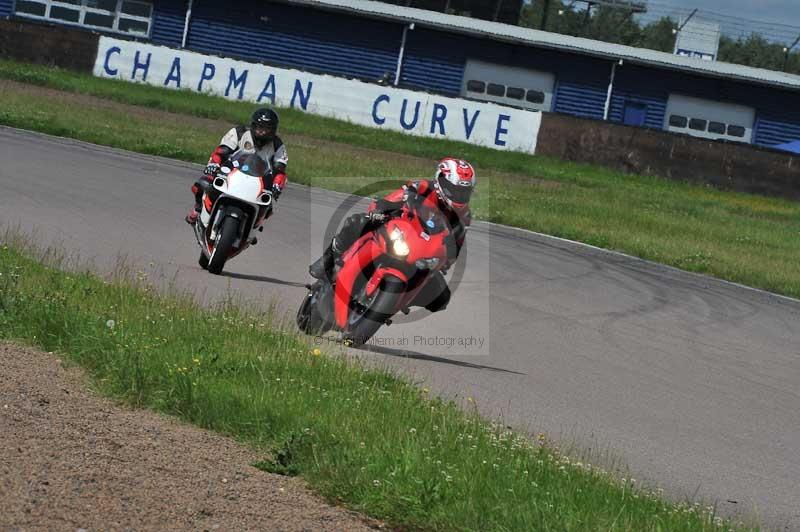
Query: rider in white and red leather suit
(260,138)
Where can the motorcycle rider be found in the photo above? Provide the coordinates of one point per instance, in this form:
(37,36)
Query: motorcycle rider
(261,138)
(449,191)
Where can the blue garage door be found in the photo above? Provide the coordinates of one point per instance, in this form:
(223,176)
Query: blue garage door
(635,114)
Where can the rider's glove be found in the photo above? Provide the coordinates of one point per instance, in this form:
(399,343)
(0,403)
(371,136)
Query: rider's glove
(211,170)
(276,191)
(377,217)
(447,265)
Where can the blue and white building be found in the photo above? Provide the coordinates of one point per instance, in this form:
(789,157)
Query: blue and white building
(458,57)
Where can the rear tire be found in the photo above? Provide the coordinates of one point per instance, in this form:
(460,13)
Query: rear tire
(383,307)
(224,244)
(203,261)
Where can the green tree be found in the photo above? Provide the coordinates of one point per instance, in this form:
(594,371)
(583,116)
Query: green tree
(613,25)
(568,21)
(531,14)
(658,36)
(754,51)
(793,63)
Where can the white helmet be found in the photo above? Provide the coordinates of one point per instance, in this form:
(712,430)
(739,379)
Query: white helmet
(455,181)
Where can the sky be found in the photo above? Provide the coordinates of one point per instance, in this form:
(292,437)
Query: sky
(778,11)
(776,20)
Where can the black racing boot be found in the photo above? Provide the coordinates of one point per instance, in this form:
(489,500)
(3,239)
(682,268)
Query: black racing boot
(323,266)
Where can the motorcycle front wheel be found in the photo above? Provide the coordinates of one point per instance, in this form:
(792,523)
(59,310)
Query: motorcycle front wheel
(203,261)
(309,320)
(223,245)
(365,321)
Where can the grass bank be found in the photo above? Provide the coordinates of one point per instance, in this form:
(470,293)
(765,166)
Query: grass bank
(743,238)
(363,438)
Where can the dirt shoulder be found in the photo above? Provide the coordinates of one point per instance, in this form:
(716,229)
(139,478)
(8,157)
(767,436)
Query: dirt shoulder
(70,460)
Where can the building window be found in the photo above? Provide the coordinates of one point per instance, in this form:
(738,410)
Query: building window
(515,92)
(122,16)
(678,121)
(66,14)
(736,131)
(534,96)
(495,89)
(697,124)
(31,8)
(501,91)
(717,128)
(474,85)
(136,9)
(128,25)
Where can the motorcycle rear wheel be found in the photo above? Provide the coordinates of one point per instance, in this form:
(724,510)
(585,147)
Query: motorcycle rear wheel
(223,246)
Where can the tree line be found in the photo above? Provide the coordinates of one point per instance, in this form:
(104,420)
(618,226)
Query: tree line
(616,25)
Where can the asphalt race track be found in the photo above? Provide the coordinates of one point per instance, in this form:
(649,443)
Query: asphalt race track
(694,382)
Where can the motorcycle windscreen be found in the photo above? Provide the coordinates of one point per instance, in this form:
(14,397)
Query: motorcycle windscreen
(431,218)
(250,164)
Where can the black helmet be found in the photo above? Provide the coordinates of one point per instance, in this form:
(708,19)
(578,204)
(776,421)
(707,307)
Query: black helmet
(263,125)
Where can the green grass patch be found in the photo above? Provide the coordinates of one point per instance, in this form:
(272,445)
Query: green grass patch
(743,238)
(361,437)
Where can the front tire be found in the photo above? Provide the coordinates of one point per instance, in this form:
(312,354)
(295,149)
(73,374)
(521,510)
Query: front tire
(223,245)
(362,326)
(203,261)
(309,320)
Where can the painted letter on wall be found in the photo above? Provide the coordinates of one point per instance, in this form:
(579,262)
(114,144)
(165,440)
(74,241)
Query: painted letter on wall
(366,104)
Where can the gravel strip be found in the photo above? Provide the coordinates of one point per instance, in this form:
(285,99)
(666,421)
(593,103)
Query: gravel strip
(70,460)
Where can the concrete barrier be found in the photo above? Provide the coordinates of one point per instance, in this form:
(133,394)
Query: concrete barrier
(46,44)
(726,165)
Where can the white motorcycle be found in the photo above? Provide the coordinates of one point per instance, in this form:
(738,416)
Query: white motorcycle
(227,224)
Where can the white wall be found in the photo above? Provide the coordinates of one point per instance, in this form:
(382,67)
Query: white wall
(361,103)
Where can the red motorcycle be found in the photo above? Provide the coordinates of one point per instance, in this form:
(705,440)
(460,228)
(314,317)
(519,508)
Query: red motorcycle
(380,275)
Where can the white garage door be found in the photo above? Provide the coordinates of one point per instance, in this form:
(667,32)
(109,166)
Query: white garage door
(709,119)
(520,87)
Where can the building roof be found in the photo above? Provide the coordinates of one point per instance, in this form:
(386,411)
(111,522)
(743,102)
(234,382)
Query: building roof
(555,41)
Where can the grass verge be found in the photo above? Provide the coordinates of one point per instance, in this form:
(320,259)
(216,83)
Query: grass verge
(739,237)
(362,437)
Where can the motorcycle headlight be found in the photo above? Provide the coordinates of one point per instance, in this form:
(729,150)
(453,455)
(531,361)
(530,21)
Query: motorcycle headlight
(400,248)
(427,264)
(399,245)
